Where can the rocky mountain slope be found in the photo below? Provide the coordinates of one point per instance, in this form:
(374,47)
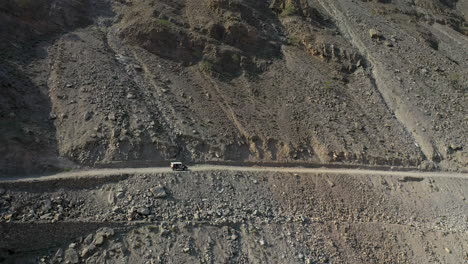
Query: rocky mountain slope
(228,216)
(92,82)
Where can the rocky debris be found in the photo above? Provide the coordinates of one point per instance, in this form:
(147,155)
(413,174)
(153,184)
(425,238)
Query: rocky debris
(39,207)
(280,207)
(137,205)
(86,247)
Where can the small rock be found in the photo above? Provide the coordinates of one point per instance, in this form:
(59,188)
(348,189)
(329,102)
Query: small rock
(143,211)
(196,216)
(88,115)
(71,256)
(375,34)
(262,242)
(159,191)
(388,43)
(84,252)
(8,217)
(111,198)
(186,250)
(2,191)
(57,217)
(130,96)
(120,195)
(99,240)
(89,239)
(105,231)
(72,245)
(46,216)
(59,253)
(111,116)
(47,205)
(448,250)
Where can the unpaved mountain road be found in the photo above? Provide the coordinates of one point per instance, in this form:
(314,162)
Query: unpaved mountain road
(205,168)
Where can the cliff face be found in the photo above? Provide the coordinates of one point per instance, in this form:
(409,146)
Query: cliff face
(364,82)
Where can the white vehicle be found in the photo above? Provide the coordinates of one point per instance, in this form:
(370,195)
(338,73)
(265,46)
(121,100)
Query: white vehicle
(178,166)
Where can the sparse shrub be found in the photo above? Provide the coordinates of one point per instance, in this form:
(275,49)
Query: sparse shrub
(235,58)
(328,85)
(206,66)
(455,81)
(289,10)
(464,30)
(164,22)
(197,53)
(295,41)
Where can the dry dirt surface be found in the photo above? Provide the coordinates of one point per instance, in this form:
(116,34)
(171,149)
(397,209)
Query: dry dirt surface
(92,82)
(216,214)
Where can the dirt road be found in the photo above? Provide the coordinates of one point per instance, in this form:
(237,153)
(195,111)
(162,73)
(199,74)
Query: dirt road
(205,168)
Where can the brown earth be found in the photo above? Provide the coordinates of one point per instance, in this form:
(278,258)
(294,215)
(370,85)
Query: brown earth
(94,82)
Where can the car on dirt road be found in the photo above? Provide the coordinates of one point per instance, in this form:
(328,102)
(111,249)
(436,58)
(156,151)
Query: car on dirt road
(178,166)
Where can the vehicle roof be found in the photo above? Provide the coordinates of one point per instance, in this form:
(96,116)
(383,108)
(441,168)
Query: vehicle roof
(176,162)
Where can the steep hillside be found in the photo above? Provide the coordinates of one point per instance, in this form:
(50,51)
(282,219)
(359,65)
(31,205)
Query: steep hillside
(92,82)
